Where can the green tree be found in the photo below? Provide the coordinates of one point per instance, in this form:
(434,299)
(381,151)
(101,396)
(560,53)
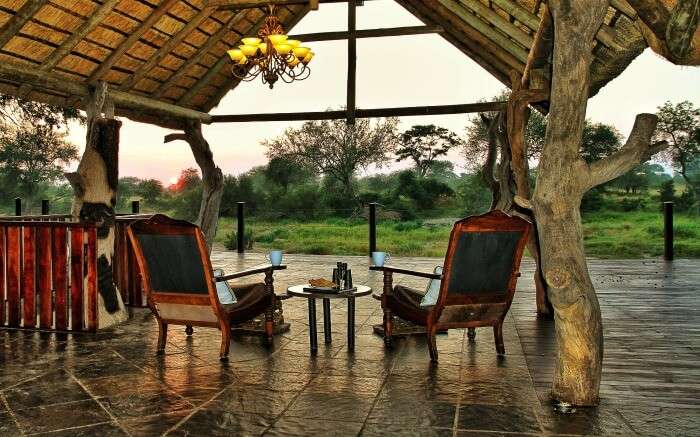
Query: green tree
(667,192)
(423,144)
(337,150)
(284,172)
(679,125)
(149,190)
(32,155)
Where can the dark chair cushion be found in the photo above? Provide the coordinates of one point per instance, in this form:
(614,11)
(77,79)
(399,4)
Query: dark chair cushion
(252,299)
(174,263)
(482,262)
(404,302)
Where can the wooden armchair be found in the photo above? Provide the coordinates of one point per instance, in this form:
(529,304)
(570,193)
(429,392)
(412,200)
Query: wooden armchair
(477,284)
(180,285)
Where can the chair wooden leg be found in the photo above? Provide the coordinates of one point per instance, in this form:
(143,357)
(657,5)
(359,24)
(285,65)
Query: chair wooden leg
(471,333)
(388,327)
(431,332)
(269,316)
(225,341)
(189,330)
(162,337)
(498,337)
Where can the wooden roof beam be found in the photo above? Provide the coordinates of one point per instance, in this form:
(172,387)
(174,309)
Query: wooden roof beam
(24,14)
(200,53)
(249,4)
(368,33)
(410,111)
(26,74)
(133,37)
(538,58)
(624,7)
(485,29)
(168,47)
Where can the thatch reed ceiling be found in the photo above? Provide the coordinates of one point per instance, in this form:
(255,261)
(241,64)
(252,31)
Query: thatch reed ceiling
(172,52)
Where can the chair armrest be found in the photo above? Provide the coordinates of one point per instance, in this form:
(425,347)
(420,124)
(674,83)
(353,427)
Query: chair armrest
(253,271)
(400,271)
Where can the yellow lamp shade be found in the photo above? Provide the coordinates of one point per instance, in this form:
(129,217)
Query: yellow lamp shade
(235,55)
(243,61)
(301,52)
(293,42)
(277,39)
(308,58)
(263,48)
(249,50)
(293,62)
(251,41)
(283,49)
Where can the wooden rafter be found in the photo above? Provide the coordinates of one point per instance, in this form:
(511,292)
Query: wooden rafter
(133,37)
(369,33)
(90,23)
(200,53)
(15,23)
(495,20)
(458,8)
(249,4)
(541,48)
(167,48)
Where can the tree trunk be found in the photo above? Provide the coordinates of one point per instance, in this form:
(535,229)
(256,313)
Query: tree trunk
(212,179)
(562,179)
(95,188)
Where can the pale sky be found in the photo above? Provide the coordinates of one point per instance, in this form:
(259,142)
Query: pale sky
(399,71)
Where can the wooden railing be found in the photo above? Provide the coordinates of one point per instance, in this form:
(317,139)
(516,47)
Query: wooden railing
(48,274)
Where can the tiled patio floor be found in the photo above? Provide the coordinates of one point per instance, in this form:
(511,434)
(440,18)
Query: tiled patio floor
(112,383)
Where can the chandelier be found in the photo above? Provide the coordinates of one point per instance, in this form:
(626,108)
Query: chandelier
(272,55)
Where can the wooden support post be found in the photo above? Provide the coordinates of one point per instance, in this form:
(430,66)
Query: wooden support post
(241,227)
(372,227)
(18,206)
(135,206)
(212,179)
(352,61)
(668,231)
(95,193)
(45,207)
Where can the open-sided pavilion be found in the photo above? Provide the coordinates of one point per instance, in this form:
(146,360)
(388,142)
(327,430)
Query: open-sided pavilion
(165,63)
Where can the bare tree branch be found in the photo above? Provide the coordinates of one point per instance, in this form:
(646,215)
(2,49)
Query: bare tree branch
(636,150)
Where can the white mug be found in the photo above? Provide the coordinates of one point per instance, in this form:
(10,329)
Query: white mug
(274,257)
(379,258)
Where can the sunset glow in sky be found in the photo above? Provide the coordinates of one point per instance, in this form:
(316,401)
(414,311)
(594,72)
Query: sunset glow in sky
(398,71)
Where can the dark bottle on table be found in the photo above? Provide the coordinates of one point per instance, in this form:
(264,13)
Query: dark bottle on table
(348,279)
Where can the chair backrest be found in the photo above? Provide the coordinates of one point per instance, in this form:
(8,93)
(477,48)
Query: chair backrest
(483,259)
(175,268)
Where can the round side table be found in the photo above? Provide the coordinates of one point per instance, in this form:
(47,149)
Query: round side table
(298,291)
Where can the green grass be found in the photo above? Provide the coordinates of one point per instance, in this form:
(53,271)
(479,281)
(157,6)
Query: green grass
(607,235)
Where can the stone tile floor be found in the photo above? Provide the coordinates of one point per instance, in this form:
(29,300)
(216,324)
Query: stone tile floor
(113,384)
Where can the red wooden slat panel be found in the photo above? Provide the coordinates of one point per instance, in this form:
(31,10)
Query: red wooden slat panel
(60,276)
(3,258)
(123,263)
(29,278)
(13,260)
(92,279)
(43,257)
(135,282)
(76,279)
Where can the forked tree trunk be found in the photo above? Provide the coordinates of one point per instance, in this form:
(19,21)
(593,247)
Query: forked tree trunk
(95,188)
(212,179)
(562,179)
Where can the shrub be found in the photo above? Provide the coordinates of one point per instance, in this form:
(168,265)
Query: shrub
(231,240)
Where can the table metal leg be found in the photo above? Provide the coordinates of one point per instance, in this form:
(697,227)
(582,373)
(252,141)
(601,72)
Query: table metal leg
(313,338)
(327,320)
(351,324)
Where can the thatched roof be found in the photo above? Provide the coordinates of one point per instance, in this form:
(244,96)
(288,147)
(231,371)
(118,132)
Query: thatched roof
(172,52)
